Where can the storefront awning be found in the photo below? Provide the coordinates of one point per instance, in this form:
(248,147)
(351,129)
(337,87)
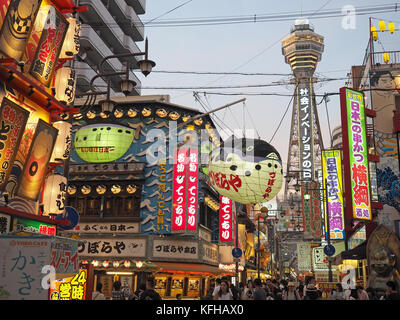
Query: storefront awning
(357,253)
(193,268)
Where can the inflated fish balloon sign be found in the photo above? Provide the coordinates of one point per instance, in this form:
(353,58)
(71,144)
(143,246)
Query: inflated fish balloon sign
(246,170)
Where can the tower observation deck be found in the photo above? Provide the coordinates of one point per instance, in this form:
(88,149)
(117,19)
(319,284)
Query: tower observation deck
(302,50)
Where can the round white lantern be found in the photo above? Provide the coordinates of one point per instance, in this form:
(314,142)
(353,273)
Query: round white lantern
(62,146)
(65,84)
(54,195)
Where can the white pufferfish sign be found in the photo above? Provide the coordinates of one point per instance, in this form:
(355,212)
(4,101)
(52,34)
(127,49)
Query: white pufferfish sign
(246,170)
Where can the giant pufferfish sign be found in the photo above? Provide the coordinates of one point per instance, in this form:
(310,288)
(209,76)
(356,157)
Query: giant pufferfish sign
(246,170)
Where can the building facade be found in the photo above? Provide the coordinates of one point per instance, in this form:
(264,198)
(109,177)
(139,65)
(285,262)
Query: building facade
(109,28)
(122,183)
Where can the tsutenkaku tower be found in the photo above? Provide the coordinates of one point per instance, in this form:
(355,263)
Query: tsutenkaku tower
(303,50)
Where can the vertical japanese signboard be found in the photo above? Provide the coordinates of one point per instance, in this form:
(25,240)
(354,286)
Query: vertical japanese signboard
(355,155)
(37,160)
(332,172)
(49,47)
(17,25)
(305,122)
(161,194)
(192,190)
(225,220)
(312,220)
(12,123)
(179,192)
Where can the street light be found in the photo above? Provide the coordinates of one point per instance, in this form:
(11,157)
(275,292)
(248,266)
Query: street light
(126,84)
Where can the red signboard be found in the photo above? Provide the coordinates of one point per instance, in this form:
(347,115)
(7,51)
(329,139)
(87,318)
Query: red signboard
(179,192)
(12,123)
(49,47)
(225,219)
(192,190)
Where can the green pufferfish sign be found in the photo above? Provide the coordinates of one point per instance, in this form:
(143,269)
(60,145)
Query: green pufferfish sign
(98,143)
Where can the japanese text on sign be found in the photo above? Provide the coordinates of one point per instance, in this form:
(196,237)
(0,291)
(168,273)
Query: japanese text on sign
(161,194)
(332,172)
(192,191)
(179,192)
(305,121)
(358,155)
(226,219)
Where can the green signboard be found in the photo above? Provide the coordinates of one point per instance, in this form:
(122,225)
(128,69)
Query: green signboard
(100,143)
(27,225)
(358,154)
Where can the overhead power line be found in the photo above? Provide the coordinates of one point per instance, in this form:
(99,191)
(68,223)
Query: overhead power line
(255,18)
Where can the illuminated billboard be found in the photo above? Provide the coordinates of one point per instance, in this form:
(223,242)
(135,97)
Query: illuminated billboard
(332,172)
(355,154)
(99,143)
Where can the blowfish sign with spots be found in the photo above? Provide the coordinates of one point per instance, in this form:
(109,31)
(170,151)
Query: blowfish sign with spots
(355,154)
(98,143)
(246,170)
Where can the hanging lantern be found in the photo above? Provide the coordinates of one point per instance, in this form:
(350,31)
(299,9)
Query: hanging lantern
(391,27)
(185,118)
(198,122)
(382,25)
(115,264)
(162,113)
(105,263)
(118,113)
(62,146)
(91,114)
(71,189)
(146,112)
(174,115)
(86,189)
(101,189)
(246,170)
(386,57)
(78,116)
(104,115)
(139,264)
(95,263)
(131,188)
(374,34)
(132,112)
(116,188)
(71,43)
(54,194)
(127,263)
(65,84)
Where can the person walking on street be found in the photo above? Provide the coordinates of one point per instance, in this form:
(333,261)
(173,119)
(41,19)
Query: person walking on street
(391,292)
(353,295)
(259,292)
(362,294)
(98,295)
(248,291)
(337,293)
(372,293)
(150,293)
(137,294)
(311,291)
(117,293)
(224,293)
(291,293)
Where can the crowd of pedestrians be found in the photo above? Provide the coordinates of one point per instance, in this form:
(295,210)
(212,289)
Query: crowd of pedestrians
(271,289)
